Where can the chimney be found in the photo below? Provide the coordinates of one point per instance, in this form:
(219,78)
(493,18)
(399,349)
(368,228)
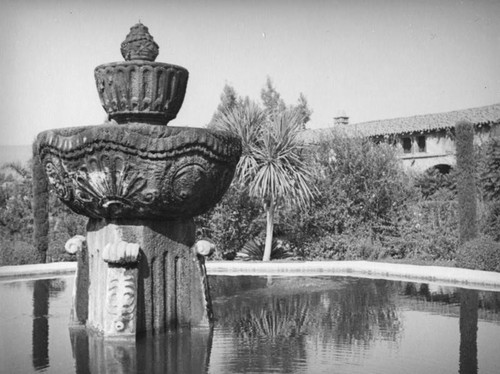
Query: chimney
(341,119)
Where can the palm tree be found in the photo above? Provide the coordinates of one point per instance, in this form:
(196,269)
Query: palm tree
(271,165)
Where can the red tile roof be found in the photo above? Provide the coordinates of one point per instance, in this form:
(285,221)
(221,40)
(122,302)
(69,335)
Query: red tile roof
(429,122)
(422,123)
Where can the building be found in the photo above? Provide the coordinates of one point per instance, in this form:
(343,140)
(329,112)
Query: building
(423,141)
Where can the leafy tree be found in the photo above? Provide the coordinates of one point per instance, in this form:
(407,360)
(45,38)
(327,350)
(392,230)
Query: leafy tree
(272,164)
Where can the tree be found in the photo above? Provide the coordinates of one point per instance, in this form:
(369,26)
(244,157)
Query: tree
(271,99)
(303,109)
(229,99)
(274,104)
(271,165)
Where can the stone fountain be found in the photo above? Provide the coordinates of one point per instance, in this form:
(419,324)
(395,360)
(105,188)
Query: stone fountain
(140,183)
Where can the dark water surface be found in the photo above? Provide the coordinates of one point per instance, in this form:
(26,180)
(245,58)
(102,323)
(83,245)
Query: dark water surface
(268,325)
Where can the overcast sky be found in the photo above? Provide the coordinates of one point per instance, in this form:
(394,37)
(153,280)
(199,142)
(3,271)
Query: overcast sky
(372,59)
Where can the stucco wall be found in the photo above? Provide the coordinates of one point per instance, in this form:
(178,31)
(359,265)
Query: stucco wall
(440,148)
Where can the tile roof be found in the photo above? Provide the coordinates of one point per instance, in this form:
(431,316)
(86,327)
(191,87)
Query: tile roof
(421,123)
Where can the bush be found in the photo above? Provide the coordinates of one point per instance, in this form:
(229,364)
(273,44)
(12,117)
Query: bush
(254,249)
(428,230)
(433,183)
(17,252)
(490,170)
(482,253)
(490,224)
(231,223)
(345,246)
(362,186)
(16,222)
(466,181)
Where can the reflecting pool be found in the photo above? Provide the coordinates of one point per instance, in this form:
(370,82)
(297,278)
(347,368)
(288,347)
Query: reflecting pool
(274,324)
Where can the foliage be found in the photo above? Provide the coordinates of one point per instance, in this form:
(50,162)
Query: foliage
(16,252)
(274,104)
(228,101)
(482,253)
(280,172)
(427,230)
(40,206)
(466,182)
(432,183)
(231,223)
(360,183)
(490,173)
(303,109)
(271,99)
(491,221)
(272,166)
(254,249)
(15,213)
(16,221)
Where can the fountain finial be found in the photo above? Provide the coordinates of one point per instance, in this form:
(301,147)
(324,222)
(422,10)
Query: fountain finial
(139,44)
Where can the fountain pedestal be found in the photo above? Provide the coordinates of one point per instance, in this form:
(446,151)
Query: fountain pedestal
(163,287)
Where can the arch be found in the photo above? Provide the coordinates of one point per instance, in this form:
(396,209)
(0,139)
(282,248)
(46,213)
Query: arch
(442,168)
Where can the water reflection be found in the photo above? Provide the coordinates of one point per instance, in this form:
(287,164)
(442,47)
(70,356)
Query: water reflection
(469,301)
(183,351)
(275,323)
(43,290)
(40,352)
(269,324)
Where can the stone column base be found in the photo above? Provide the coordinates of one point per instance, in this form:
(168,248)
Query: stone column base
(145,277)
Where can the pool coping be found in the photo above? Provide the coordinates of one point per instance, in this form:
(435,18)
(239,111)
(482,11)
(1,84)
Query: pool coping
(446,276)
(450,276)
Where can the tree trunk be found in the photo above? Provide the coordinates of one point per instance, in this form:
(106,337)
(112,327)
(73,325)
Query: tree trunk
(269,230)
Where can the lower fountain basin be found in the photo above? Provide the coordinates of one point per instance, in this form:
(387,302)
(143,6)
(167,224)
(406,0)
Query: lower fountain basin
(138,170)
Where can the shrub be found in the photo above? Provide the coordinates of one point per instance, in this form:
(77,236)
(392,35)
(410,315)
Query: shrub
(231,223)
(254,249)
(482,253)
(491,222)
(466,181)
(490,173)
(433,183)
(17,252)
(361,185)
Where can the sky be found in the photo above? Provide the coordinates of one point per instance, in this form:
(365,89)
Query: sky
(371,60)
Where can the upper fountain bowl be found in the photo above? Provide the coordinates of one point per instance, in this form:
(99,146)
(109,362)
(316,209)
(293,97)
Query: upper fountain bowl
(138,170)
(139,89)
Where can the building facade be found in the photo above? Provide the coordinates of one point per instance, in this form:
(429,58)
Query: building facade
(423,141)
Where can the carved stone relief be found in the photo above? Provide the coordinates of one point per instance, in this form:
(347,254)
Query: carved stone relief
(139,170)
(121,301)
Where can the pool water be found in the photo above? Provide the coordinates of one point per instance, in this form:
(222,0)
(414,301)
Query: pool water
(274,324)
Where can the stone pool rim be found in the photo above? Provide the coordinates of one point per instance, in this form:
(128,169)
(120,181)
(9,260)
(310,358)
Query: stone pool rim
(447,276)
